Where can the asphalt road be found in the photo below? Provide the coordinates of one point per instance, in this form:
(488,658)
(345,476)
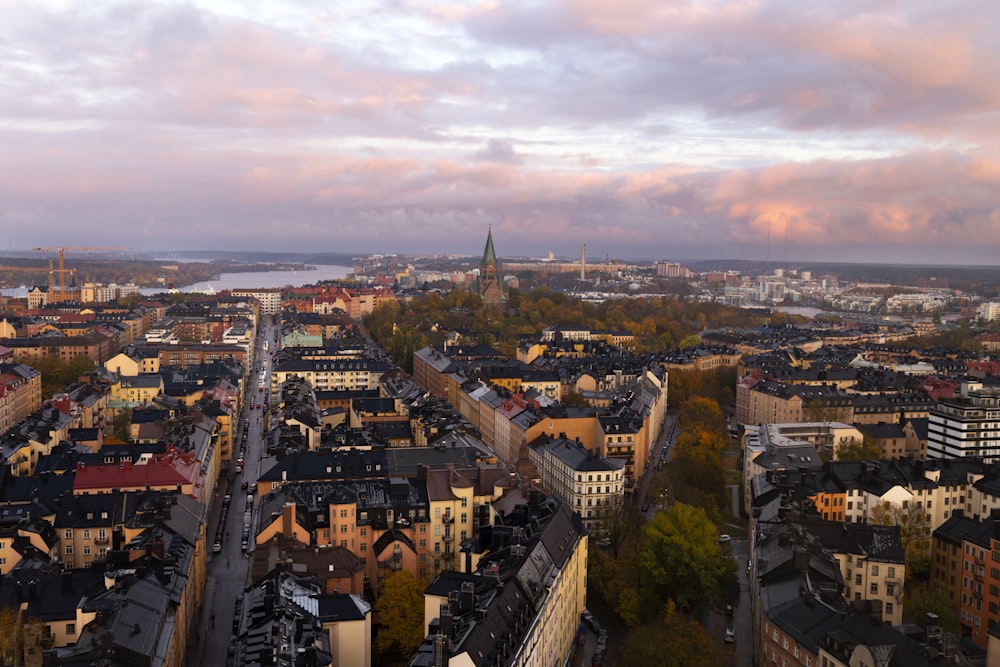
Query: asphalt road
(228,570)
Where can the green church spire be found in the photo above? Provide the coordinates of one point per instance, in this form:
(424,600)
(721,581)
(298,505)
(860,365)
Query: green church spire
(489,255)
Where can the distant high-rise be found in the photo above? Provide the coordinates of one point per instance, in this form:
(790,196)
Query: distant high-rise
(490,285)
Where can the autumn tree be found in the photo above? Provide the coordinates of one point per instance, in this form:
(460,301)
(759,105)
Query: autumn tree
(819,410)
(11,636)
(401,614)
(120,426)
(681,557)
(923,598)
(675,640)
(618,521)
(914,531)
(864,450)
(56,373)
(700,413)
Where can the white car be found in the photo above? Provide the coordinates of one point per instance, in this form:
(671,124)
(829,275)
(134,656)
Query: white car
(730,635)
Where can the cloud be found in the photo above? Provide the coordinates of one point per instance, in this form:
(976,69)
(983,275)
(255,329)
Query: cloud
(498,150)
(644,127)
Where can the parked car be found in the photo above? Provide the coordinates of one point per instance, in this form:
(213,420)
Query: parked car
(729,610)
(730,636)
(589,620)
(725,539)
(217,547)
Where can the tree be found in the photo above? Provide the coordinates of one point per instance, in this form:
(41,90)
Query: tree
(914,531)
(922,598)
(121,424)
(675,640)
(865,450)
(11,636)
(618,521)
(573,399)
(401,614)
(702,413)
(682,559)
(56,373)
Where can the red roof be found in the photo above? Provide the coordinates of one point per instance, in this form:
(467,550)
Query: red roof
(163,470)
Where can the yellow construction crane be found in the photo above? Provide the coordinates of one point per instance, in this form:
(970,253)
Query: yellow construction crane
(62,270)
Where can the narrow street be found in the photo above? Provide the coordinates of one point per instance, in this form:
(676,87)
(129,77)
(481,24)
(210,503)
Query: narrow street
(228,570)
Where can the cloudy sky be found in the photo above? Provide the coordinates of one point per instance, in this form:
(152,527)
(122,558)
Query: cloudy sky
(853,130)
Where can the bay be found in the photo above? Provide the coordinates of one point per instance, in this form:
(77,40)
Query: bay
(230,281)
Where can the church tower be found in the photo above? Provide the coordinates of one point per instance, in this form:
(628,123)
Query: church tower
(490,285)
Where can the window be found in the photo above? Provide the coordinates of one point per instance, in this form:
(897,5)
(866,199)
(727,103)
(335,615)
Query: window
(465,502)
(874,570)
(69,549)
(874,589)
(71,628)
(857,580)
(86,550)
(343,514)
(890,589)
(343,543)
(364,546)
(423,544)
(69,534)
(892,572)
(86,534)
(364,531)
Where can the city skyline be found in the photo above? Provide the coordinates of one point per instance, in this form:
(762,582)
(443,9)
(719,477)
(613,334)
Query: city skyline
(852,132)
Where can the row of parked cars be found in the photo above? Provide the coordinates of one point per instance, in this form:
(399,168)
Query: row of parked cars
(220,531)
(602,636)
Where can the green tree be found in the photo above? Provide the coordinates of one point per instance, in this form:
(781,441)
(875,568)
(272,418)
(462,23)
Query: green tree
(401,614)
(681,557)
(914,531)
(675,640)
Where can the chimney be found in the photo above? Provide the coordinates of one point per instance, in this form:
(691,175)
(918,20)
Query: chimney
(446,621)
(288,520)
(468,596)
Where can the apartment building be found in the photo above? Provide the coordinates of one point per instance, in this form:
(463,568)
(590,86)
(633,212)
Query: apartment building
(968,425)
(521,607)
(587,483)
(331,374)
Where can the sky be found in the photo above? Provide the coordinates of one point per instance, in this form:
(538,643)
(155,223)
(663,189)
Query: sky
(848,130)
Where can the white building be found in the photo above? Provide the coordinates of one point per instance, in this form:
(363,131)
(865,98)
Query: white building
(968,425)
(585,481)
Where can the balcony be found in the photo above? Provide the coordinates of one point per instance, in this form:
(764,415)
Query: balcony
(446,537)
(101,540)
(393,562)
(448,518)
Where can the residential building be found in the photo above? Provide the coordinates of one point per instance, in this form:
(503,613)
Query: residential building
(587,483)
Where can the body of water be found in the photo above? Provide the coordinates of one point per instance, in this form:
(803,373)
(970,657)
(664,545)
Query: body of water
(229,281)
(262,279)
(807,311)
